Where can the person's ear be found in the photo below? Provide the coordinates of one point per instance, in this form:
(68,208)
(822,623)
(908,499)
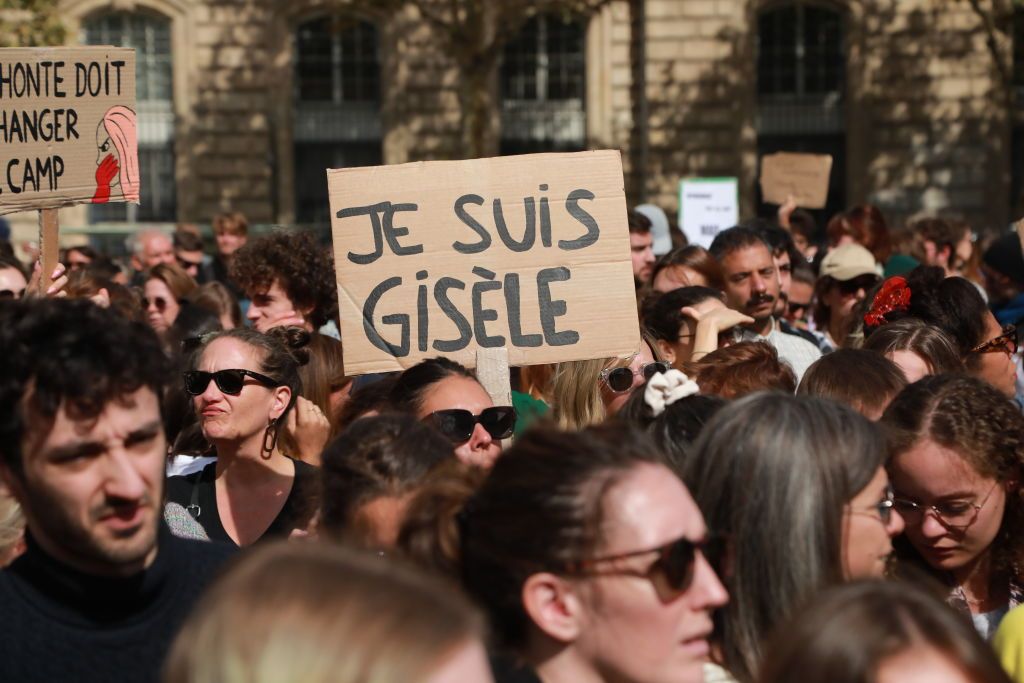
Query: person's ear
(667,351)
(282,397)
(554,606)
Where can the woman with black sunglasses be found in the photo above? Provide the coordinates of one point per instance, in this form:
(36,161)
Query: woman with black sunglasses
(244,384)
(449,397)
(957,457)
(798,486)
(588,554)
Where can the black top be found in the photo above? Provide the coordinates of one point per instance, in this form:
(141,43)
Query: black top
(198,488)
(62,625)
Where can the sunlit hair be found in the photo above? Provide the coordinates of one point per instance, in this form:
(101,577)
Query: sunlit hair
(324,374)
(867,226)
(983,427)
(848,632)
(927,341)
(741,369)
(774,473)
(215,296)
(317,613)
(863,380)
(695,258)
(119,122)
(12,525)
(180,283)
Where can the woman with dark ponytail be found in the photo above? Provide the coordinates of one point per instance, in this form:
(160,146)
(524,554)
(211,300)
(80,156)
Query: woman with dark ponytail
(587,553)
(242,388)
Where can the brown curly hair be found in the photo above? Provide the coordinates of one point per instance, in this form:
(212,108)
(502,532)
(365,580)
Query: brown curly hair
(303,268)
(985,428)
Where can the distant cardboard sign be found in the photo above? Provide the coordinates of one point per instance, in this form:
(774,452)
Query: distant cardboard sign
(440,258)
(67,127)
(805,176)
(707,206)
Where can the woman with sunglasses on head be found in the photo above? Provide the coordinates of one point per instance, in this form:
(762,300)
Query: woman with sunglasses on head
(953,305)
(166,289)
(242,389)
(588,554)
(585,392)
(798,486)
(448,396)
(957,456)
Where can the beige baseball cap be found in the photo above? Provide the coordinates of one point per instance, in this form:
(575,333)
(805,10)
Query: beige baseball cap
(847,262)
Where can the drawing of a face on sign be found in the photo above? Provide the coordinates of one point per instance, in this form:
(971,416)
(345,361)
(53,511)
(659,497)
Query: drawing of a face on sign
(117,162)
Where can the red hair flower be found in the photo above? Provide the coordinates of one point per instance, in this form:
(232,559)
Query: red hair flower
(893,296)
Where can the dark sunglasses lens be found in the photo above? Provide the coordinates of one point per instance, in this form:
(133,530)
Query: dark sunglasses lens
(499,421)
(229,381)
(651,369)
(457,425)
(196,382)
(677,563)
(620,379)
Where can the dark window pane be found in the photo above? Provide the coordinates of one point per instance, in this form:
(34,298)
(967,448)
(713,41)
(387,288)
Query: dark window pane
(800,51)
(336,61)
(311,162)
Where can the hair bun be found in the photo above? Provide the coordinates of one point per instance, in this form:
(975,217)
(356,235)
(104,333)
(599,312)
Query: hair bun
(295,339)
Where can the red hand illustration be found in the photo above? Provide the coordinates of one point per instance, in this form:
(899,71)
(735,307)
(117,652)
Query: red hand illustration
(105,172)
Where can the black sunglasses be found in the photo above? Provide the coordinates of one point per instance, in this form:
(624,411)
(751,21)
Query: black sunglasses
(158,301)
(864,282)
(458,424)
(676,561)
(228,381)
(621,379)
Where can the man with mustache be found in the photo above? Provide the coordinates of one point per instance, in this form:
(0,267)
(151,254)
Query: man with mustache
(752,287)
(103,586)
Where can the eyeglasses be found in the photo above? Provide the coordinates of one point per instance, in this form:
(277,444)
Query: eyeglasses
(621,379)
(1007,341)
(11,293)
(158,301)
(883,508)
(953,514)
(865,282)
(185,265)
(458,424)
(798,309)
(228,381)
(676,561)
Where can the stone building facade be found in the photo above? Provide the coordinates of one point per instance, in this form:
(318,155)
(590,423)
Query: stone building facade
(243,103)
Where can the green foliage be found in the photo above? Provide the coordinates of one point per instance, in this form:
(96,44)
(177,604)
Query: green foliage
(30,23)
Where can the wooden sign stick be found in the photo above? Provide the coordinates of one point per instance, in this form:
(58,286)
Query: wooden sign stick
(49,247)
(492,373)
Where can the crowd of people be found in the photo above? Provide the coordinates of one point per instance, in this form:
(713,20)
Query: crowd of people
(811,470)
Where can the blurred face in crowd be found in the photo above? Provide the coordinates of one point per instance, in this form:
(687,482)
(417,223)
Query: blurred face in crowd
(751,281)
(679,352)
(271,306)
(237,419)
(674,277)
(913,366)
(161,307)
(92,488)
(920,664)
(634,625)
(970,505)
(229,240)
(642,254)
(12,283)
(190,261)
(868,530)
(455,392)
(995,364)
(613,401)
(76,260)
(801,295)
(843,295)
(784,268)
(156,248)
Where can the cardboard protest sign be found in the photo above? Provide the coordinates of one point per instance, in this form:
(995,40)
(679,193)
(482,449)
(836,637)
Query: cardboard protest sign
(805,176)
(707,206)
(441,258)
(67,127)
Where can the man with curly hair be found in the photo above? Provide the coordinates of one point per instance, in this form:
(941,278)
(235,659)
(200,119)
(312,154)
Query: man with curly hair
(290,280)
(103,585)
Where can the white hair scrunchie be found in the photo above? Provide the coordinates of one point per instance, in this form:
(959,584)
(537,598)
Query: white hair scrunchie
(664,389)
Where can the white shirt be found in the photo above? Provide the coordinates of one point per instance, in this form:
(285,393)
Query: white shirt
(798,353)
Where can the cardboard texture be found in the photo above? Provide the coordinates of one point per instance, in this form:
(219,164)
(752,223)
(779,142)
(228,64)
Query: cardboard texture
(67,127)
(707,206)
(805,176)
(440,258)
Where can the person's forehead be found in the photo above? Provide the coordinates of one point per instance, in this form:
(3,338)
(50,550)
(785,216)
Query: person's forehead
(11,278)
(934,470)
(119,415)
(227,353)
(640,238)
(456,392)
(750,257)
(646,508)
(156,242)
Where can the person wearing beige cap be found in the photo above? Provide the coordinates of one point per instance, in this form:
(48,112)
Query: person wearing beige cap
(847,274)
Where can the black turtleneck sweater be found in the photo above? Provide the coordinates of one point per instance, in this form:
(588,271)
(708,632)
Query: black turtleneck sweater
(58,624)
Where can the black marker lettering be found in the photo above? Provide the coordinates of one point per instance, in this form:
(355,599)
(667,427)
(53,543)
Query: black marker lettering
(441,288)
(402,320)
(572,204)
(472,223)
(513,305)
(482,315)
(553,308)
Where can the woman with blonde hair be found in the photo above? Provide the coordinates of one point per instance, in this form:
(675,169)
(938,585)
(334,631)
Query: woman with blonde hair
(318,613)
(585,392)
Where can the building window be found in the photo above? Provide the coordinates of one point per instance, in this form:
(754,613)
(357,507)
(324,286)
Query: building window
(337,107)
(150,35)
(543,78)
(801,65)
